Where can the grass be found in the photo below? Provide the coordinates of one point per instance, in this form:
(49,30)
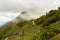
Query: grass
(47,28)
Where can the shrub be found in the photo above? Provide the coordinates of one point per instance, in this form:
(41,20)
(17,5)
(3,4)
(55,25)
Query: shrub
(40,20)
(46,34)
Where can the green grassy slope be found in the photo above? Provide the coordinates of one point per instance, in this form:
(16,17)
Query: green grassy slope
(47,28)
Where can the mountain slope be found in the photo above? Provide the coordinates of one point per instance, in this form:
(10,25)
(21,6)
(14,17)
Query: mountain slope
(46,27)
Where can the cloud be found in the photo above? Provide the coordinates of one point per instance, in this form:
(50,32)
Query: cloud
(9,9)
(9,14)
(18,5)
(4,19)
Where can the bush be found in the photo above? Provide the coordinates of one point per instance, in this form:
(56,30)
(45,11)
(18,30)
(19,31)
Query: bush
(40,20)
(46,34)
(51,13)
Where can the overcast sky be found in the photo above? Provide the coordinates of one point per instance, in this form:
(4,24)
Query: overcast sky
(9,9)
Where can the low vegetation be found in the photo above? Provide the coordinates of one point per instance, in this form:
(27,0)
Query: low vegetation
(47,28)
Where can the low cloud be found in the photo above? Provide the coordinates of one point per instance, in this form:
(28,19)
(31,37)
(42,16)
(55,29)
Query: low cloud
(9,9)
(18,5)
(4,19)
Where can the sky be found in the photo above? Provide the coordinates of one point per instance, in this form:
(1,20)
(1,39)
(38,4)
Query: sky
(10,9)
